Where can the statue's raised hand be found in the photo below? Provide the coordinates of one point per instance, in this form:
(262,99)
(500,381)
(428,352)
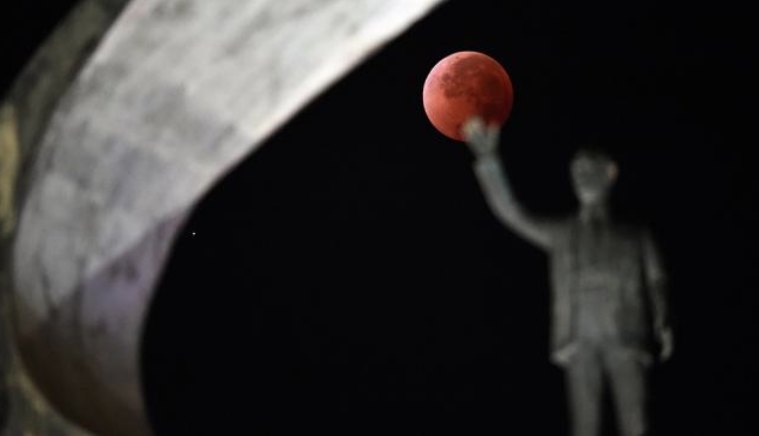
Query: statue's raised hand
(481,139)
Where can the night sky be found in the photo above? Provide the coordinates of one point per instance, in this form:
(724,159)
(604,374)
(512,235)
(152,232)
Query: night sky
(349,278)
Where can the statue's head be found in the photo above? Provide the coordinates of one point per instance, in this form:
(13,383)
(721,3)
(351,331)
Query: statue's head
(593,175)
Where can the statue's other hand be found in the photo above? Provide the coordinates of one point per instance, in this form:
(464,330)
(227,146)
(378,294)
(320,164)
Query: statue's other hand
(481,139)
(666,344)
(563,356)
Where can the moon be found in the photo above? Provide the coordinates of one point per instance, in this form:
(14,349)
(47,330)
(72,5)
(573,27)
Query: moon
(465,84)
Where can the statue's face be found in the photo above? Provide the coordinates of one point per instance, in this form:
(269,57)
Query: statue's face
(592,178)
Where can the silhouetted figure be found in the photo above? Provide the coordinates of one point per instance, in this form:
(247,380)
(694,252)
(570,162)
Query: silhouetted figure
(609,307)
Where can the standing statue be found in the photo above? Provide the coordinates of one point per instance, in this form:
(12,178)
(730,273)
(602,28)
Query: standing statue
(609,307)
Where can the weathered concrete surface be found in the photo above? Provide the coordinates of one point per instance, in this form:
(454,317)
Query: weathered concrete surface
(23,117)
(24,410)
(177,93)
(49,73)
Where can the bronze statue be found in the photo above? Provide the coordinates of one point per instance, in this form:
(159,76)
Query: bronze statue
(609,305)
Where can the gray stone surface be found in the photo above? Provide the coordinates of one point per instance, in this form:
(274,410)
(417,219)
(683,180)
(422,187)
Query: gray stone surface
(23,117)
(176,93)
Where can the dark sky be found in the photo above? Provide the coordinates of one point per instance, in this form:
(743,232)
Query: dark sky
(348,277)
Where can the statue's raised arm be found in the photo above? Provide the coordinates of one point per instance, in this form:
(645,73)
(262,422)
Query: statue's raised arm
(483,141)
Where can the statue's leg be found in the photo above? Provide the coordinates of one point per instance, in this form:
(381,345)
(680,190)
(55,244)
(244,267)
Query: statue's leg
(629,385)
(585,387)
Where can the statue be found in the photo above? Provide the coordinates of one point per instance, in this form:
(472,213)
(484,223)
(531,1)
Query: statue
(609,306)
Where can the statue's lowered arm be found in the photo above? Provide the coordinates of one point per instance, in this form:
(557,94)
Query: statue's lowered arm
(656,282)
(496,187)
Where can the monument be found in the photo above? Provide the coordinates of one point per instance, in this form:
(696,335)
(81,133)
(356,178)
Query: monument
(609,310)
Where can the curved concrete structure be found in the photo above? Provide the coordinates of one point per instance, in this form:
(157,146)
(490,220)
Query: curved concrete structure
(176,93)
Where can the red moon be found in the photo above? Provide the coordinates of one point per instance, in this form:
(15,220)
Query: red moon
(465,84)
